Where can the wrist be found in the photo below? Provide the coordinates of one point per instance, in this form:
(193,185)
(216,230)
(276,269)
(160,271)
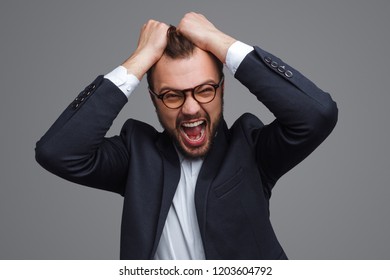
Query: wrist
(134,67)
(138,64)
(220,44)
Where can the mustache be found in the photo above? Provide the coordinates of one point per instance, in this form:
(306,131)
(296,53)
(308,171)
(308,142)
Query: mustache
(188,118)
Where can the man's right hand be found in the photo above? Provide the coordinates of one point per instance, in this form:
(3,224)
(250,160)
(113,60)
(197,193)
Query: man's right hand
(151,45)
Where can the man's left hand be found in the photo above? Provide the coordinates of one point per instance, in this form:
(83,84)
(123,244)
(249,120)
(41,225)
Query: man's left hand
(205,35)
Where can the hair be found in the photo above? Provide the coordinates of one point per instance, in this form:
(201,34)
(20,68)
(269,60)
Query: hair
(178,47)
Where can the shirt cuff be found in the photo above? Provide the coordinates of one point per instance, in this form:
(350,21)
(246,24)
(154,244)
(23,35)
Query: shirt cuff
(236,54)
(127,83)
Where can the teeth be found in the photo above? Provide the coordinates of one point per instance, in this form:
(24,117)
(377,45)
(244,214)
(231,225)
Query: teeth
(193,124)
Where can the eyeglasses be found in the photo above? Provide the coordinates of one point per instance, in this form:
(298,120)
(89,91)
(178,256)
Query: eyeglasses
(203,94)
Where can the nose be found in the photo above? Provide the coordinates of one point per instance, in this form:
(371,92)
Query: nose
(190,106)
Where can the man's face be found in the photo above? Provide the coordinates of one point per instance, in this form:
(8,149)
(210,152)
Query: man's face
(193,125)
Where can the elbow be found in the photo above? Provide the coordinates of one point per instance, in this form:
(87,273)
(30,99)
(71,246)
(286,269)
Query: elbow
(69,165)
(325,120)
(49,157)
(331,115)
(45,156)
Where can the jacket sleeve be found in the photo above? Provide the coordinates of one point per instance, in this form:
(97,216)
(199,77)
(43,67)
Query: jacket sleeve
(305,115)
(75,147)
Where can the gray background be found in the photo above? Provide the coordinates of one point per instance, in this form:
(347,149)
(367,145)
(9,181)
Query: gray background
(332,206)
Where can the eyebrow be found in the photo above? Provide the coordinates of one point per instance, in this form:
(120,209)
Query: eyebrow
(167,88)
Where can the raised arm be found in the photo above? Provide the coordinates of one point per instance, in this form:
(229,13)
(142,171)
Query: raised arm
(305,114)
(75,147)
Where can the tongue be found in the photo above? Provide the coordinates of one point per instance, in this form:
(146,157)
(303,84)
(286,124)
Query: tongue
(193,131)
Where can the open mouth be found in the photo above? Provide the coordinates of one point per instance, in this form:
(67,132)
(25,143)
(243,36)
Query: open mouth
(194,132)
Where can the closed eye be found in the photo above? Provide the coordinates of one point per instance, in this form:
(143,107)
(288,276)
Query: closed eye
(172,95)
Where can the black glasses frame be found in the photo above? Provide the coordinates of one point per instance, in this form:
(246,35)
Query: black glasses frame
(183,92)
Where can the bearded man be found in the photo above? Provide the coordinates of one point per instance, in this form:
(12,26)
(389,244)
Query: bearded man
(198,190)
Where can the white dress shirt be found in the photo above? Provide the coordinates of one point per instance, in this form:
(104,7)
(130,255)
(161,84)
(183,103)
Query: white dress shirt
(181,238)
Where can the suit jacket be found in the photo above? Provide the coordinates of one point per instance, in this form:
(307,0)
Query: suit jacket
(235,182)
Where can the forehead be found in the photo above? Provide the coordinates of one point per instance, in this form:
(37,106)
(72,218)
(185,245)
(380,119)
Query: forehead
(185,72)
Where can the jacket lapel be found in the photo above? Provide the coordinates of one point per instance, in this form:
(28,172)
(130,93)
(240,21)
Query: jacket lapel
(171,166)
(207,174)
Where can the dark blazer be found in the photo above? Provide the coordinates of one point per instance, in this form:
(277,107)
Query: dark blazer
(235,183)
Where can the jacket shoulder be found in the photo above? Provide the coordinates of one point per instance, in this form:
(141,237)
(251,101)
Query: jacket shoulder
(138,128)
(247,124)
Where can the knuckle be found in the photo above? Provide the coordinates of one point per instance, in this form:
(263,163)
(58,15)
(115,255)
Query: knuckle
(151,22)
(189,15)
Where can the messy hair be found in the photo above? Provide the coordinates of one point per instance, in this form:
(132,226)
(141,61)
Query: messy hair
(178,47)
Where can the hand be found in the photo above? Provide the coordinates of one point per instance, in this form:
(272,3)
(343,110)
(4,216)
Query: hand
(205,35)
(151,45)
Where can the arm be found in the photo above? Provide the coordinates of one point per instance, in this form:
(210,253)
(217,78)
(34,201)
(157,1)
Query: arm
(75,147)
(305,115)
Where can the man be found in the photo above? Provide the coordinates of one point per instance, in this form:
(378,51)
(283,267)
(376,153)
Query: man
(198,190)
